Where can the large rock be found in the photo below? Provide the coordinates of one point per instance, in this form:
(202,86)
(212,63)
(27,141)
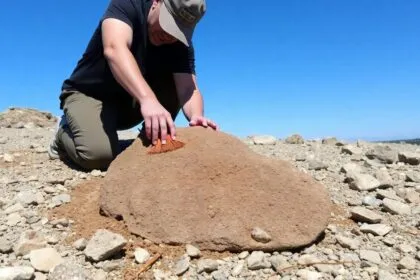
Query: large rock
(213,193)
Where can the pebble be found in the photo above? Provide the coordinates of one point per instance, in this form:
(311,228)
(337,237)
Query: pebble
(141,255)
(103,245)
(45,259)
(376,229)
(362,214)
(16,273)
(260,235)
(192,251)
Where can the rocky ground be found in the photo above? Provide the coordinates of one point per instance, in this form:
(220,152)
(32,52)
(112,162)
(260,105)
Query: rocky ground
(373,232)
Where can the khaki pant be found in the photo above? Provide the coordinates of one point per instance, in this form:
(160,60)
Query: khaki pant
(90,137)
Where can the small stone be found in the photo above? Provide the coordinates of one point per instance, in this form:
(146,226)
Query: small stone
(308,274)
(388,241)
(96,173)
(307,259)
(61,199)
(100,275)
(17,207)
(28,241)
(351,150)
(182,265)
(237,269)
(66,271)
(103,245)
(370,256)
(141,255)
(80,244)
(16,273)
(40,276)
(386,275)
(257,261)
(207,265)
(5,246)
(396,207)
(45,259)
(412,196)
(407,263)
(264,140)
(363,182)
(243,255)
(362,214)
(192,251)
(376,229)
(219,275)
(371,201)
(260,235)
(405,248)
(295,139)
(8,158)
(346,242)
(317,165)
(409,158)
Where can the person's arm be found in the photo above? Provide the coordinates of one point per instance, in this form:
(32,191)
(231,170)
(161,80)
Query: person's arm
(191,100)
(117,37)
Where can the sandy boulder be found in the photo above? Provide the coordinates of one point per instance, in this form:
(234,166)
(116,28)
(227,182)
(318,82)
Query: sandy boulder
(214,193)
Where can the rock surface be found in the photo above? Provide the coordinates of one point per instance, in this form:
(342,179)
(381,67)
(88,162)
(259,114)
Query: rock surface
(250,202)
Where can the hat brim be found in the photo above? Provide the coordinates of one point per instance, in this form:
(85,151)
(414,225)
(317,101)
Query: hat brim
(172,27)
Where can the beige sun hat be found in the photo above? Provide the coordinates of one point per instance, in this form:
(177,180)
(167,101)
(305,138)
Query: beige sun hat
(179,17)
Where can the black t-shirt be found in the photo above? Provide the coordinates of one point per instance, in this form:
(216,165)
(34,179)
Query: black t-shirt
(92,74)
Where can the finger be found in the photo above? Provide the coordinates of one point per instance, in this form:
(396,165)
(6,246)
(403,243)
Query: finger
(204,122)
(171,126)
(148,125)
(163,129)
(212,125)
(155,130)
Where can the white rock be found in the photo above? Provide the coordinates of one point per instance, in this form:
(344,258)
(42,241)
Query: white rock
(308,274)
(238,268)
(141,255)
(104,244)
(347,242)
(376,229)
(257,261)
(370,256)
(260,235)
(16,273)
(396,207)
(386,275)
(8,158)
(28,241)
(207,265)
(80,244)
(182,265)
(407,262)
(45,259)
(192,251)
(362,214)
(264,140)
(364,182)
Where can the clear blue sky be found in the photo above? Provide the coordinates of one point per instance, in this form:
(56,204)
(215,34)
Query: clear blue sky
(348,68)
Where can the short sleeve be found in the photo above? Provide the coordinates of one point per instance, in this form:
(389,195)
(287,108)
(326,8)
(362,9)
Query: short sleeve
(183,58)
(123,10)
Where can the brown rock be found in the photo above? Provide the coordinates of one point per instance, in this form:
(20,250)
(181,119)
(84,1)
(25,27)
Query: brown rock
(212,193)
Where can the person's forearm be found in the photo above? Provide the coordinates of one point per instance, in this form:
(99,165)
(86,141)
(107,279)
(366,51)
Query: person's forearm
(127,73)
(194,106)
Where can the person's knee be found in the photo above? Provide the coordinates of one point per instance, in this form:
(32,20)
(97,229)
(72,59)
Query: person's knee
(96,157)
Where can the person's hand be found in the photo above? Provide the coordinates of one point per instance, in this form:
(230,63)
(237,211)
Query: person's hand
(203,121)
(157,119)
